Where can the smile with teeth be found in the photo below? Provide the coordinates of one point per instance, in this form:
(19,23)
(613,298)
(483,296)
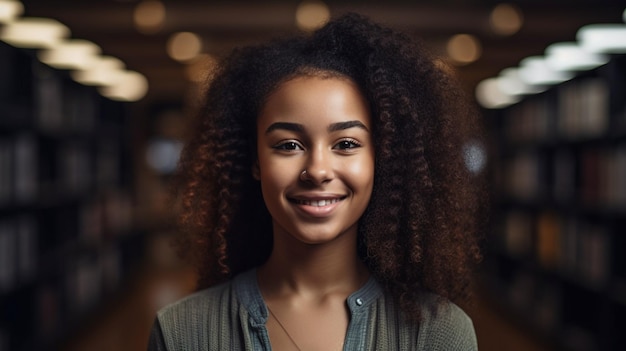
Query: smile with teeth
(317,203)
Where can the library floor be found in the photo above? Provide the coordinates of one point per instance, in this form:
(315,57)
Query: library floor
(125,324)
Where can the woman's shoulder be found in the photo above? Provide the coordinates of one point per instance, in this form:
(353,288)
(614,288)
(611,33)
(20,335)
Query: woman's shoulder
(197,303)
(437,309)
(197,320)
(445,326)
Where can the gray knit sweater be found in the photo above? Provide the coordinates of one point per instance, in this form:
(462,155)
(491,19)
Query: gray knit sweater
(232,316)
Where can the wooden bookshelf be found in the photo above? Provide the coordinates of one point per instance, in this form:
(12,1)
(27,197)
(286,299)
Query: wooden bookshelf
(67,238)
(556,251)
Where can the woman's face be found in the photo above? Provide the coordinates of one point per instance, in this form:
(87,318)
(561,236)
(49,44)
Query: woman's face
(323,126)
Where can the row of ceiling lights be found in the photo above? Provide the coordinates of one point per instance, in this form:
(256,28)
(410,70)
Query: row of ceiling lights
(83,58)
(186,47)
(561,62)
(504,20)
(114,81)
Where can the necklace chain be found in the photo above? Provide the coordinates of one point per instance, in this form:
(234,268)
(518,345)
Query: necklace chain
(284,329)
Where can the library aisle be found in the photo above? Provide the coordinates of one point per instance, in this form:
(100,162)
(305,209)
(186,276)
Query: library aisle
(85,224)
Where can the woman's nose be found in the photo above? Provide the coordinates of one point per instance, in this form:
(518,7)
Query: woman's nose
(319,166)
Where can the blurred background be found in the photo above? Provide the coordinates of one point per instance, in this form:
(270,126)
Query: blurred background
(95,96)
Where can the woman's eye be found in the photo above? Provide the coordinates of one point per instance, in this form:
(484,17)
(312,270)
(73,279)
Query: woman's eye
(347,144)
(289,146)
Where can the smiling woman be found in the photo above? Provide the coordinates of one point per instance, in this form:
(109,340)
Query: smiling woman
(325,200)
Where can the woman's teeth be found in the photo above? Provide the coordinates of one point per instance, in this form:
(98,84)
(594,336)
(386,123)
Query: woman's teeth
(317,203)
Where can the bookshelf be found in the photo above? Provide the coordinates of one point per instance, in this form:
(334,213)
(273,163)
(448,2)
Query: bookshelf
(556,249)
(68,242)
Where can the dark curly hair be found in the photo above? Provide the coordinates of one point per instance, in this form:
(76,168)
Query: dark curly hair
(417,233)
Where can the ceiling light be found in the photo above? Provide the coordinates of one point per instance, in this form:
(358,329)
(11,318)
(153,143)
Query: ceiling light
(184,46)
(464,48)
(311,15)
(506,19)
(128,86)
(71,54)
(34,32)
(102,71)
(510,83)
(489,94)
(572,57)
(10,10)
(149,16)
(603,38)
(535,71)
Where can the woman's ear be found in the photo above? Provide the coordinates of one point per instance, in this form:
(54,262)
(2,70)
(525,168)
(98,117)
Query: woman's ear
(256,171)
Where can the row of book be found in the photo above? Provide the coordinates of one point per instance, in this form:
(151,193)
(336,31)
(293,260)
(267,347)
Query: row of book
(575,110)
(16,73)
(29,239)
(67,232)
(62,106)
(583,108)
(557,243)
(576,249)
(42,311)
(540,300)
(18,169)
(588,176)
(602,176)
(18,252)
(87,278)
(32,168)
(46,99)
(556,312)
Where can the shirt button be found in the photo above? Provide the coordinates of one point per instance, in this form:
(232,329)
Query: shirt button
(359,302)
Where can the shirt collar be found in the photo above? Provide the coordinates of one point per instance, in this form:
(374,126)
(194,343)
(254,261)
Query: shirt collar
(248,292)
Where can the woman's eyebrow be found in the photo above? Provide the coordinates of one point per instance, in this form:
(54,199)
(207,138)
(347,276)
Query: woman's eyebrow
(294,127)
(346,125)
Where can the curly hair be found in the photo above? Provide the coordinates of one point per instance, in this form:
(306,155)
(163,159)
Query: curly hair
(418,231)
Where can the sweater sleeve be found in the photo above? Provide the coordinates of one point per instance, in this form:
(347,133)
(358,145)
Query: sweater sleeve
(447,327)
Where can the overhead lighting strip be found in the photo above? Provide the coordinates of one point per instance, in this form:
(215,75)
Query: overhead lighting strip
(560,62)
(82,58)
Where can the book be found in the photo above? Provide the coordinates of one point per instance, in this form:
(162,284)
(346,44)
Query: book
(26,170)
(548,240)
(518,233)
(8,256)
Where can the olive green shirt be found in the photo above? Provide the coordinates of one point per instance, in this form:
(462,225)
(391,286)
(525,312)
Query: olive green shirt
(232,316)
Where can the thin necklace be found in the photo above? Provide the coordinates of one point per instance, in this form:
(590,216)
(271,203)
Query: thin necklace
(284,329)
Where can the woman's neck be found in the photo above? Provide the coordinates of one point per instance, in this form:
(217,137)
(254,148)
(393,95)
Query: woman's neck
(313,270)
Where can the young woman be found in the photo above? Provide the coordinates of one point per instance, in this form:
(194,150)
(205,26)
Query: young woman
(325,200)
